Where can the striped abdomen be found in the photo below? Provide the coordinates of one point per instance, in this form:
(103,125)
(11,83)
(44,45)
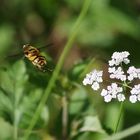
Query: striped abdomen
(33,54)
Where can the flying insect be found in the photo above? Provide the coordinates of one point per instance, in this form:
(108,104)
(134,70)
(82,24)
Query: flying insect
(34,56)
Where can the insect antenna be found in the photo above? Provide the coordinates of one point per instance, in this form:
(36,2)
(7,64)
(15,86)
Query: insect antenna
(48,45)
(15,55)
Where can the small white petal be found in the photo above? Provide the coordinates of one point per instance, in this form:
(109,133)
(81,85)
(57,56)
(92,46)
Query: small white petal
(107,98)
(84,82)
(112,76)
(104,92)
(123,78)
(139,97)
(95,86)
(130,77)
(126,61)
(100,73)
(87,81)
(111,62)
(111,70)
(121,97)
(133,98)
(99,79)
(114,85)
(109,88)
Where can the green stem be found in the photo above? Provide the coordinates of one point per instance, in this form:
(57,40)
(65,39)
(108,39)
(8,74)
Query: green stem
(15,134)
(119,117)
(123,134)
(58,67)
(64,116)
(15,123)
(86,70)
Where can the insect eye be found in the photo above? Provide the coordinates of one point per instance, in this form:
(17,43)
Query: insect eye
(26,45)
(26,53)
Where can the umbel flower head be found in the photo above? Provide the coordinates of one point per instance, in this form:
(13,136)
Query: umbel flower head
(118,58)
(93,78)
(113,91)
(116,72)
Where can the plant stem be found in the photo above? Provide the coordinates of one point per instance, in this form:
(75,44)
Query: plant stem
(15,123)
(119,117)
(64,117)
(58,67)
(123,134)
(87,67)
(15,134)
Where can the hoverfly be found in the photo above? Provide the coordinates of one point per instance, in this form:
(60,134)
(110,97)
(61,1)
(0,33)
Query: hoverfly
(34,55)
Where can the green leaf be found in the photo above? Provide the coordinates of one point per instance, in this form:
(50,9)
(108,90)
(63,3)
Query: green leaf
(6,129)
(91,123)
(78,99)
(111,121)
(6,38)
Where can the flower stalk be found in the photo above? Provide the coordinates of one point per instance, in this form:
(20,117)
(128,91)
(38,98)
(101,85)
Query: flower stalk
(119,117)
(58,67)
(64,116)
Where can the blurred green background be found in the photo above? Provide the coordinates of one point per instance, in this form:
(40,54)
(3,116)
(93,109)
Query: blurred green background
(72,111)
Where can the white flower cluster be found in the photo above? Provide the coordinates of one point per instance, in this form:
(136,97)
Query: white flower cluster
(113,91)
(118,58)
(93,78)
(133,73)
(135,94)
(116,71)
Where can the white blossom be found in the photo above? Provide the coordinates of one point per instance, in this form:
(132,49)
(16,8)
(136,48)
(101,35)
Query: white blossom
(107,98)
(121,97)
(138,72)
(133,73)
(113,91)
(104,92)
(117,73)
(87,80)
(133,98)
(135,94)
(93,78)
(138,96)
(95,86)
(111,69)
(118,58)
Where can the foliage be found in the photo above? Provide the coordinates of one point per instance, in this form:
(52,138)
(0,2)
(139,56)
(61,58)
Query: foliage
(71,111)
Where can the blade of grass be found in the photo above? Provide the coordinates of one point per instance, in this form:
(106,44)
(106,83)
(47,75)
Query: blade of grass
(58,67)
(119,117)
(86,70)
(130,131)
